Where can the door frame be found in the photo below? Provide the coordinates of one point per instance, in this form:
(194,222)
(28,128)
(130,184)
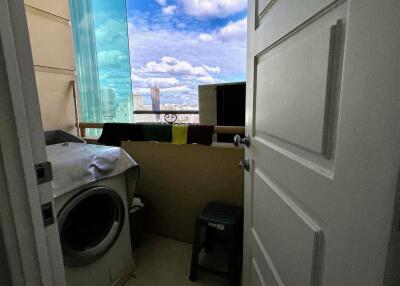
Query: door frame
(32,250)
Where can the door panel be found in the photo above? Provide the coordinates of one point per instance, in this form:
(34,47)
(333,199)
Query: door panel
(261,263)
(256,276)
(313,212)
(295,112)
(262,6)
(276,15)
(279,222)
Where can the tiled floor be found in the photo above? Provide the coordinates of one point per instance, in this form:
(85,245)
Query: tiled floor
(165,262)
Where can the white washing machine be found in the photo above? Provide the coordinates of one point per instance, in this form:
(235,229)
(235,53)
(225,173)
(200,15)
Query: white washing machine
(93,187)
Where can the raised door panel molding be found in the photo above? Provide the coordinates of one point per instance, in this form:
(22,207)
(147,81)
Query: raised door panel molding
(51,40)
(58,8)
(289,239)
(262,269)
(56,100)
(256,276)
(262,5)
(293,84)
(276,13)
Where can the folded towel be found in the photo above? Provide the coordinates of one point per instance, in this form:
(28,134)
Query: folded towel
(157,132)
(114,133)
(200,134)
(179,134)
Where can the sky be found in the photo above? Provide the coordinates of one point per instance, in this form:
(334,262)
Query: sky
(179,44)
(174,44)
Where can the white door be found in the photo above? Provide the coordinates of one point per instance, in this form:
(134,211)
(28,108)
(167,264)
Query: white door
(322,115)
(29,243)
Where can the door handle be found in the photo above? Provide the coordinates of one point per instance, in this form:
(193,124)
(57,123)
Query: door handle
(237,140)
(245,164)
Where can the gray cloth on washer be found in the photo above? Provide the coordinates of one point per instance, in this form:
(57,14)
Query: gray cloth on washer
(76,165)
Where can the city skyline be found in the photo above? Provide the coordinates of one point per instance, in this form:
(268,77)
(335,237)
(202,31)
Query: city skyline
(180,44)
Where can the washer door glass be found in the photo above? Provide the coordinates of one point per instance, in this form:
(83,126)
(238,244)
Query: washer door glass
(89,224)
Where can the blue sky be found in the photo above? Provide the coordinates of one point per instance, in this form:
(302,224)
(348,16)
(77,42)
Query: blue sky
(179,44)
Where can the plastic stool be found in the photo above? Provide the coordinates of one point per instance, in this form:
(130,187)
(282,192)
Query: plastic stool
(224,218)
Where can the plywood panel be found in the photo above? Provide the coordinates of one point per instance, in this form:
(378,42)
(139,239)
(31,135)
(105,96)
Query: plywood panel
(208,105)
(56,7)
(290,237)
(179,180)
(51,40)
(294,91)
(56,100)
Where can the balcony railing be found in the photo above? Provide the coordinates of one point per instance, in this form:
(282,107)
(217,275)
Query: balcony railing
(166,112)
(170,116)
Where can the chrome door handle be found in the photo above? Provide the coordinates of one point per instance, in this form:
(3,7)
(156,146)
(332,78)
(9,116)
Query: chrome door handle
(245,164)
(237,140)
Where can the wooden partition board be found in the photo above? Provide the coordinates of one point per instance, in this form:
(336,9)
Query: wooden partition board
(53,57)
(56,100)
(179,180)
(58,8)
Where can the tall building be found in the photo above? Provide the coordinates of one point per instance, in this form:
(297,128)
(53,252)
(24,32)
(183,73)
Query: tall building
(108,104)
(155,100)
(124,110)
(138,103)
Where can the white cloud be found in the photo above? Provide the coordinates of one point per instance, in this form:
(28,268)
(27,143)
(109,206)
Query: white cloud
(169,10)
(213,8)
(162,2)
(175,89)
(174,66)
(145,91)
(150,81)
(206,37)
(190,60)
(207,79)
(235,30)
(232,31)
(212,69)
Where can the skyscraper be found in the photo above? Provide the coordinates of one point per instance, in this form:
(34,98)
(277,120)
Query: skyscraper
(155,100)
(138,103)
(108,104)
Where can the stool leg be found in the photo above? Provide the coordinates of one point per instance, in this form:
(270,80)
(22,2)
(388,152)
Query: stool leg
(210,237)
(195,252)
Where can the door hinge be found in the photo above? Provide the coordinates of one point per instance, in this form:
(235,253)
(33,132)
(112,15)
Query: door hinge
(44,173)
(47,214)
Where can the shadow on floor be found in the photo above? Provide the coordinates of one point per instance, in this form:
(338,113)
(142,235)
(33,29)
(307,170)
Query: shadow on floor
(161,261)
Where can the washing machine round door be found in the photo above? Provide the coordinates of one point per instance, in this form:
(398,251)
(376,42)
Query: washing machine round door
(89,224)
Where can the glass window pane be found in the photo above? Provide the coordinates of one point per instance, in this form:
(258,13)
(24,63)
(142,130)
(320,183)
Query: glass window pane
(102,57)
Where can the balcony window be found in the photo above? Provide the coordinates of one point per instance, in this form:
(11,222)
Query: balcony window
(138,57)
(102,59)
